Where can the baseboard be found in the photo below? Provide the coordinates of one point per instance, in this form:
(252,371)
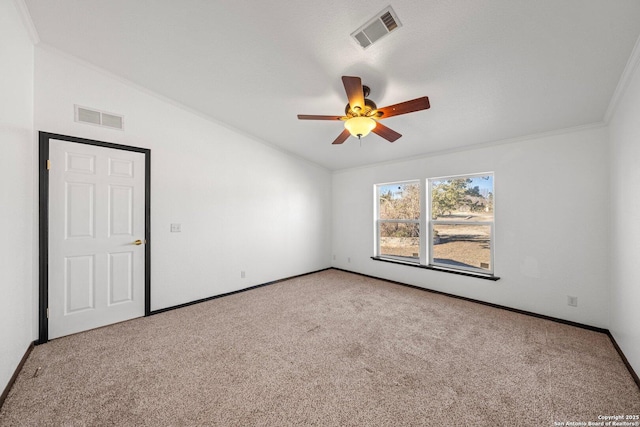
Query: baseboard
(516,310)
(624,359)
(13,378)
(490,304)
(186,304)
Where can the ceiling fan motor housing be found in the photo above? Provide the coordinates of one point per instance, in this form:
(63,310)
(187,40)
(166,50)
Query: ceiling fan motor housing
(368,110)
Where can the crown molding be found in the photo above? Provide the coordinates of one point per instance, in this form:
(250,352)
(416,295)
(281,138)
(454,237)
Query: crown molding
(625,79)
(23,10)
(151,93)
(481,145)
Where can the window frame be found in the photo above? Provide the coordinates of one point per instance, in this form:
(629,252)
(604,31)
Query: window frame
(430,223)
(426,224)
(378,221)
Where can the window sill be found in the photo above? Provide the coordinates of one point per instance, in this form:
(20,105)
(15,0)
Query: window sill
(444,270)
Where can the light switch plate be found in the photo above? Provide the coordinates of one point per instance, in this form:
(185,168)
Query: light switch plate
(176,228)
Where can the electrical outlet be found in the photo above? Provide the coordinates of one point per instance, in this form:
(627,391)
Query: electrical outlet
(349,259)
(572,301)
(176,228)
(334,257)
(242,274)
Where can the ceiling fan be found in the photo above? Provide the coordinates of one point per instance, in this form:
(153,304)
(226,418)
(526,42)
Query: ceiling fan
(362,114)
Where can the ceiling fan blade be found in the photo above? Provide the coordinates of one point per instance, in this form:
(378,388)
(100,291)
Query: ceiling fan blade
(353,87)
(312,117)
(405,107)
(342,137)
(385,132)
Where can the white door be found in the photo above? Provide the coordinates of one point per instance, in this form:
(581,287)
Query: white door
(96,214)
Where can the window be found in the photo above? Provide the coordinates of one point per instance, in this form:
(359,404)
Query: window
(398,221)
(461,223)
(457,214)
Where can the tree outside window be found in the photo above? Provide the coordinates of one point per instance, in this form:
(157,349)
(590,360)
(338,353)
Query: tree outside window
(398,222)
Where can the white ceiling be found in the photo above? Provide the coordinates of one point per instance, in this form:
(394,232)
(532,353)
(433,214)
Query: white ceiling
(492,69)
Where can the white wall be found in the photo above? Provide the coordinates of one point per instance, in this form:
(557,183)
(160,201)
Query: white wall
(551,237)
(16,190)
(242,205)
(624,137)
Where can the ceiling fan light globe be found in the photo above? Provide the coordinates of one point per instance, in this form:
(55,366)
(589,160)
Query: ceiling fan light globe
(360,126)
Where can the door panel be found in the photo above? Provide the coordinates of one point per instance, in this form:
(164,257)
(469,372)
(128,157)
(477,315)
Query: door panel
(96,213)
(120,211)
(79,284)
(80,163)
(79,212)
(121,168)
(120,277)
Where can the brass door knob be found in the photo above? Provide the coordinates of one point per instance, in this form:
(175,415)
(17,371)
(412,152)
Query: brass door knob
(137,242)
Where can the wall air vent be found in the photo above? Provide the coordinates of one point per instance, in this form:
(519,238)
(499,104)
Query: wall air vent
(377,27)
(97,117)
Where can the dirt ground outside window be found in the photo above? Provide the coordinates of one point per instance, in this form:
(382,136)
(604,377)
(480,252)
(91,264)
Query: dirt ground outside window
(467,246)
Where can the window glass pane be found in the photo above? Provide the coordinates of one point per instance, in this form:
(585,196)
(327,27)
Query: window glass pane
(400,240)
(462,199)
(462,246)
(399,201)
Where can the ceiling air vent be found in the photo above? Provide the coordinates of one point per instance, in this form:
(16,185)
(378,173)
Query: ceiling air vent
(377,27)
(97,117)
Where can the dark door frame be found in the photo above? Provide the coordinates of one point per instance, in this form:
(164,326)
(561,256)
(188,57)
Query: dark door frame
(44,138)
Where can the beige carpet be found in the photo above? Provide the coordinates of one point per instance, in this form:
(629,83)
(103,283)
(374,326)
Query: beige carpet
(331,348)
